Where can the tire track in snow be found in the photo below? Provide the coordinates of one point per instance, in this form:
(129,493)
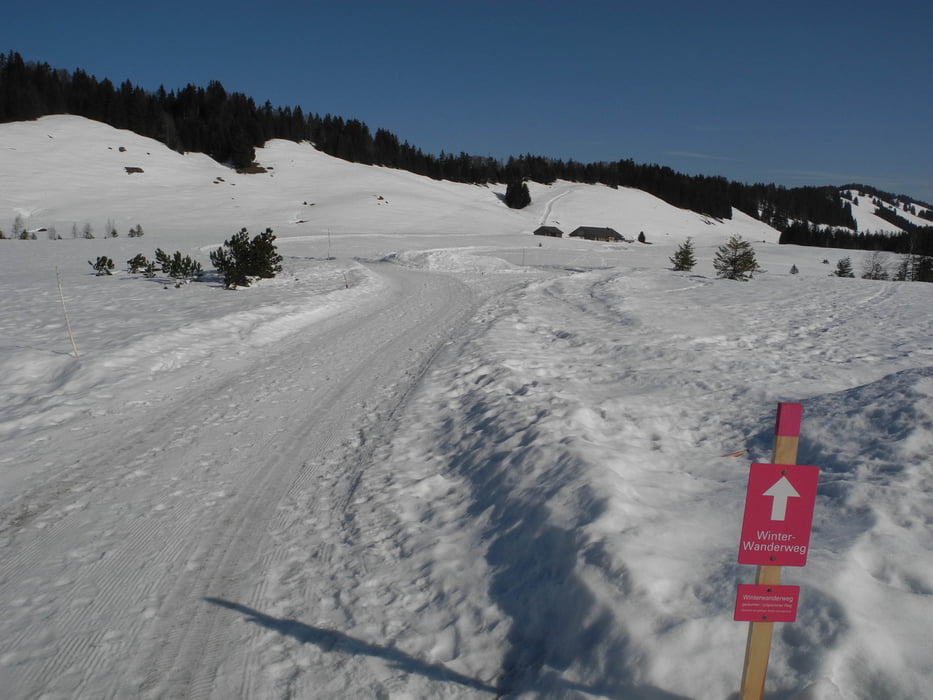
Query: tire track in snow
(124,625)
(338,476)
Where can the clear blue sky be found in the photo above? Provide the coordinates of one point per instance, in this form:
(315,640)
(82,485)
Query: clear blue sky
(797,93)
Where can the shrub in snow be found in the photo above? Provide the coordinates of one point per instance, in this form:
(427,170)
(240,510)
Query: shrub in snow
(875,266)
(735,260)
(241,259)
(138,264)
(136,232)
(915,268)
(794,270)
(178,267)
(684,258)
(103,266)
(641,237)
(844,268)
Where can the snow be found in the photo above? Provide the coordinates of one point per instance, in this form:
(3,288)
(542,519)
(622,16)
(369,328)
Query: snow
(864,208)
(436,457)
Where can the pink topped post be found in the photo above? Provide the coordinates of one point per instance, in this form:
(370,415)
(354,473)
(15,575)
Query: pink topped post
(789,416)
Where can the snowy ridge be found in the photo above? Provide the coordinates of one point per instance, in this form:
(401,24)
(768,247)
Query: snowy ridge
(864,207)
(436,457)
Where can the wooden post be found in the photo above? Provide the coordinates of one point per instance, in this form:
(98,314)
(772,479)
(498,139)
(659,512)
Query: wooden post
(61,295)
(758,647)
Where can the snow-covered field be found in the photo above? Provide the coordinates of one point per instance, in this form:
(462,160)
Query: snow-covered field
(437,457)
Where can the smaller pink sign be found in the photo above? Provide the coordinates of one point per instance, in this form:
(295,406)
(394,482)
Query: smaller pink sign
(756,603)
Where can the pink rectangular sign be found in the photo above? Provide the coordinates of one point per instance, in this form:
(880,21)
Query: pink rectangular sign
(755,603)
(778,514)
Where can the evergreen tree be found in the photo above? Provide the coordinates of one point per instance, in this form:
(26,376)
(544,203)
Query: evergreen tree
(137,264)
(241,259)
(684,257)
(176,266)
(103,266)
(735,260)
(517,195)
(844,268)
(923,269)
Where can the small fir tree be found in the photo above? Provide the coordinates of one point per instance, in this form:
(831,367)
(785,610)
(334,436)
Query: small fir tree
(103,266)
(137,264)
(684,257)
(517,195)
(177,267)
(794,270)
(241,259)
(735,260)
(844,268)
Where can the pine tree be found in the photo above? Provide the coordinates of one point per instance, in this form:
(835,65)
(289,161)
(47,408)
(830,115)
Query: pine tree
(137,264)
(240,259)
(103,266)
(735,260)
(517,195)
(684,257)
(844,268)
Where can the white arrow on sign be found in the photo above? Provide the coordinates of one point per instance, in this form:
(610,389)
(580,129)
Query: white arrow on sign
(780,492)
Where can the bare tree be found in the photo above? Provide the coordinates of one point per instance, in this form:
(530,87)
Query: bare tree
(875,266)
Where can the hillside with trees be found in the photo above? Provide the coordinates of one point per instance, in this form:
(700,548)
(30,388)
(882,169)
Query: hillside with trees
(228,126)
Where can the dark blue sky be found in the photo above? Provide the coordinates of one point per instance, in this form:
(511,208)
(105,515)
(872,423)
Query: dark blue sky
(789,92)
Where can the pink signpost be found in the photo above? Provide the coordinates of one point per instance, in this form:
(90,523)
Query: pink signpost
(775,532)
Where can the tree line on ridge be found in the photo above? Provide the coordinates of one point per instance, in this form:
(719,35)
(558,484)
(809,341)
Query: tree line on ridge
(228,126)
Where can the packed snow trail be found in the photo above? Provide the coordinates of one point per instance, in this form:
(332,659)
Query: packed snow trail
(168,504)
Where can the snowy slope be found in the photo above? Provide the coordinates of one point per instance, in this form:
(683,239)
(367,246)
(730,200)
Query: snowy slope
(864,207)
(437,457)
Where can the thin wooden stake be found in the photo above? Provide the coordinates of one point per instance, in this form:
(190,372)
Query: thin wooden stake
(758,647)
(61,295)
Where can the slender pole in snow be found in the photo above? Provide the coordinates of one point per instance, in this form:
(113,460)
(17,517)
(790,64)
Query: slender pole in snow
(61,295)
(758,647)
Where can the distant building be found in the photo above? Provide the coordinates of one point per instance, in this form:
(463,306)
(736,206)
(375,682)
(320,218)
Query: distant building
(552,231)
(594,233)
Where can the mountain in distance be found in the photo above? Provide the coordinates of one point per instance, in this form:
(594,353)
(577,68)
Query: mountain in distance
(229,127)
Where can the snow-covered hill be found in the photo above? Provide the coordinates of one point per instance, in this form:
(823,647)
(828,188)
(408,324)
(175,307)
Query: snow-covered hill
(437,457)
(865,206)
(65,171)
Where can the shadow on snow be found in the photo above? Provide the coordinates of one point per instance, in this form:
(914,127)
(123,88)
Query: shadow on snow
(330,640)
